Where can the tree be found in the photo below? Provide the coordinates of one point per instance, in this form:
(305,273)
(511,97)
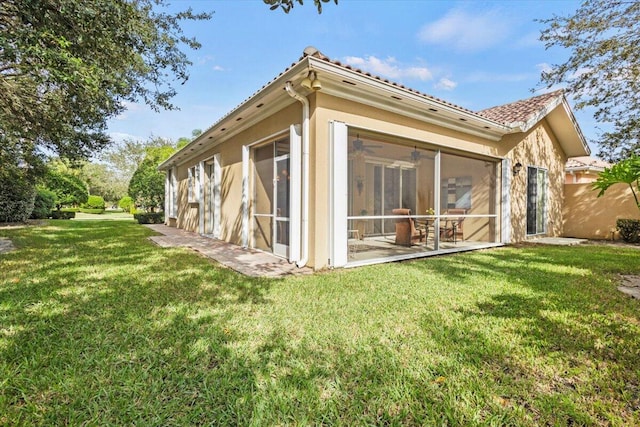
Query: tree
(147,184)
(125,157)
(624,172)
(103,181)
(18,173)
(66,67)
(69,189)
(287,5)
(603,70)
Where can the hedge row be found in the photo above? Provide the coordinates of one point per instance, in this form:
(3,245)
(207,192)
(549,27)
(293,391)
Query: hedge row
(62,215)
(149,217)
(91,211)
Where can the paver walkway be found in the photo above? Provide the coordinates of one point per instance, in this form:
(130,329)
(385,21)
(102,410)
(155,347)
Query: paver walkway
(246,261)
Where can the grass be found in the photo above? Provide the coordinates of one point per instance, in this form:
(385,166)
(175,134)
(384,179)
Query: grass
(99,326)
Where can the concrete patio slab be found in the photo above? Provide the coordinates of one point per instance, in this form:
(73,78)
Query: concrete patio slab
(559,241)
(249,262)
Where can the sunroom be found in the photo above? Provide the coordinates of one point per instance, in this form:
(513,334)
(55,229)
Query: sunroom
(407,199)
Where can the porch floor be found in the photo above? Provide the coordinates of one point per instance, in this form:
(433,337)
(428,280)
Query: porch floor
(246,261)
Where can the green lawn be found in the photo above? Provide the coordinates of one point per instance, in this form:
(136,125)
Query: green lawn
(98,326)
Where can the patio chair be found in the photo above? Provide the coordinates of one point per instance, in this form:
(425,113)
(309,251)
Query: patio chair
(406,232)
(453,228)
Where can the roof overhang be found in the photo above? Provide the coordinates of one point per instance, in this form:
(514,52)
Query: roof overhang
(563,124)
(346,83)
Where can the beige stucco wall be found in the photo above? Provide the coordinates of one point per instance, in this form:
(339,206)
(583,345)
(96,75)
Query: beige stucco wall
(537,147)
(591,217)
(540,148)
(231,175)
(580,177)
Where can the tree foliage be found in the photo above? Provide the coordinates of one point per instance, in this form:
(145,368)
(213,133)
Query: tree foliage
(287,5)
(18,175)
(44,203)
(68,66)
(624,172)
(603,70)
(147,184)
(69,189)
(125,157)
(103,181)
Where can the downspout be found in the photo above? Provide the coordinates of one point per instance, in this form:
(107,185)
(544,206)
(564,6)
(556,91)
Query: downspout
(304,217)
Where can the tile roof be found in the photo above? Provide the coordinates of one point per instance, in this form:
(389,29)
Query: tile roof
(520,111)
(323,57)
(586,162)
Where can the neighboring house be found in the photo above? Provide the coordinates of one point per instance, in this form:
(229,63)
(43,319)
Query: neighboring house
(314,164)
(583,170)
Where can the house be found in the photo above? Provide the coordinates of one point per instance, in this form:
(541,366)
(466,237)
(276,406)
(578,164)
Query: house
(584,169)
(330,166)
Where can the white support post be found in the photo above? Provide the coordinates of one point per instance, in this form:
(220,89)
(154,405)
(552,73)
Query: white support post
(436,200)
(505,220)
(217,178)
(295,199)
(245,196)
(338,194)
(167,195)
(200,190)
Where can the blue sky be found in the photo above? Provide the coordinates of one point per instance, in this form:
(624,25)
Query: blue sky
(475,54)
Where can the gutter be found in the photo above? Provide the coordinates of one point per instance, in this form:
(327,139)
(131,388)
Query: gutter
(304,239)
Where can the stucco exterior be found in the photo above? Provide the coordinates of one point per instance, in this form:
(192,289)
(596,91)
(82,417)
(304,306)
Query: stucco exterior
(228,205)
(590,217)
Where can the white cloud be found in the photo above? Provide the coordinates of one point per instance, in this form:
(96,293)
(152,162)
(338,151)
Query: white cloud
(445,84)
(130,107)
(466,31)
(389,67)
(217,68)
(543,67)
(121,136)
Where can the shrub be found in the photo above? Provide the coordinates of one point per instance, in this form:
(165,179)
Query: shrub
(44,203)
(62,215)
(629,230)
(126,204)
(92,211)
(149,217)
(94,202)
(70,209)
(16,199)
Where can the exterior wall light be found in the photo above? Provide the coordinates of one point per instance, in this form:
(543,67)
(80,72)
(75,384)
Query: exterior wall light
(517,168)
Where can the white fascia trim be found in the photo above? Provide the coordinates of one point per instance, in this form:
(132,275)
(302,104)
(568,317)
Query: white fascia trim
(542,113)
(233,127)
(472,119)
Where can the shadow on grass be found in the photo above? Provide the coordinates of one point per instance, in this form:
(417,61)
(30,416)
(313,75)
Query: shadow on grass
(99,326)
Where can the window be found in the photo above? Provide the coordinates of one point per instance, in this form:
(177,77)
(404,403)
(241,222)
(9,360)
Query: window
(194,184)
(173,195)
(537,184)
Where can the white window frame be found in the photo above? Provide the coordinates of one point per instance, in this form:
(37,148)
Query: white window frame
(545,209)
(194,184)
(171,194)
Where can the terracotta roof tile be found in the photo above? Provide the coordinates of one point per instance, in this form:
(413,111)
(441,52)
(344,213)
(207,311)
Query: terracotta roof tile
(519,111)
(586,162)
(506,114)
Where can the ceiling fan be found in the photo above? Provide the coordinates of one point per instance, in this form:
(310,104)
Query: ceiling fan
(358,146)
(416,155)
